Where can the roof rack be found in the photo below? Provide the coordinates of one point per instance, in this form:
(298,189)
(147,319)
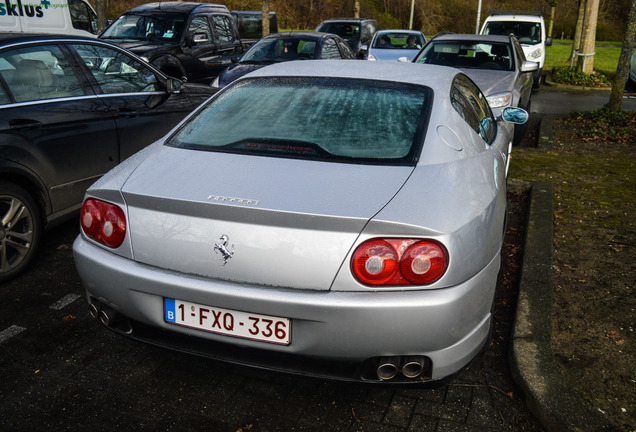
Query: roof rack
(511,12)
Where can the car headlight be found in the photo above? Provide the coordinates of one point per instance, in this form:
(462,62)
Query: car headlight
(535,54)
(499,100)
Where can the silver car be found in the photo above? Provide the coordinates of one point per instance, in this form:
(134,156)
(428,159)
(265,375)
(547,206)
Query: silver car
(390,45)
(497,64)
(330,218)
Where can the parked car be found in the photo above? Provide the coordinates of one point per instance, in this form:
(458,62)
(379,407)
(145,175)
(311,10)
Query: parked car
(495,63)
(358,32)
(390,45)
(71,108)
(188,40)
(350,228)
(71,17)
(528,27)
(283,47)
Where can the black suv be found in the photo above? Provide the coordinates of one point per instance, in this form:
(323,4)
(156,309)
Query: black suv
(182,39)
(358,32)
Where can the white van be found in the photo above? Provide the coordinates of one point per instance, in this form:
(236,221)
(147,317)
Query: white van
(70,17)
(528,28)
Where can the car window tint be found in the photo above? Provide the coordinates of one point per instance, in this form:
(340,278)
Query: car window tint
(200,25)
(4,97)
(330,50)
(359,120)
(223,27)
(116,72)
(307,49)
(472,105)
(37,73)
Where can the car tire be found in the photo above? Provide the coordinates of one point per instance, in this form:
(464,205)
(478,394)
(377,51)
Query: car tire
(20,229)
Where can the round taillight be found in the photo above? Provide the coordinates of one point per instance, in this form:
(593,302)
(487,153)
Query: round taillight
(423,262)
(395,261)
(375,262)
(90,218)
(103,222)
(113,227)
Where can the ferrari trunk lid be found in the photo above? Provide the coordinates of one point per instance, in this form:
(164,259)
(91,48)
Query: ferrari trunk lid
(252,219)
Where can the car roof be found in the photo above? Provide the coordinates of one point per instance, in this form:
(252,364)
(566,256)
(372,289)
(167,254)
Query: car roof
(297,34)
(178,6)
(18,38)
(411,73)
(521,17)
(471,37)
(398,31)
(348,19)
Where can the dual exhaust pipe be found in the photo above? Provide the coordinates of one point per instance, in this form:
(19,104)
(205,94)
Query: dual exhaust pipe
(410,366)
(105,315)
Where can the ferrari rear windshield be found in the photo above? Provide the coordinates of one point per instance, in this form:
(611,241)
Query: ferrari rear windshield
(354,120)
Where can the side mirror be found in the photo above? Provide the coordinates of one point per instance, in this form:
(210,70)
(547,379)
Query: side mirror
(200,38)
(173,85)
(548,41)
(529,66)
(515,115)
(364,47)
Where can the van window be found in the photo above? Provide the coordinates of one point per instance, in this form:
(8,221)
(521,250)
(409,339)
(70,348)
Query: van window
(200,24)
(38,73)
(82,16)
(223,27)
(525,32)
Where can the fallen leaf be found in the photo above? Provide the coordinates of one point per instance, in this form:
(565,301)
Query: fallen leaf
(68,318)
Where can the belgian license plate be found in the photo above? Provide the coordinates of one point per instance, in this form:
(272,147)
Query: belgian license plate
(228,322)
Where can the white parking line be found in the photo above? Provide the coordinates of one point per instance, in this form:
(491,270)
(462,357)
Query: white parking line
(8,333)
(64,301)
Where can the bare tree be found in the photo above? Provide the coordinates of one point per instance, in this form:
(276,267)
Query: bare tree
(622,71)
(585,61)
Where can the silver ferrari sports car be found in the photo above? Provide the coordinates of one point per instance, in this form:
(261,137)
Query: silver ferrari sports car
(328,218)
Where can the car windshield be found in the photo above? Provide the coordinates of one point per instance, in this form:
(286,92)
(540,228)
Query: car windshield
(525,32)
(164,27)
(279,50)
(348,31)
(353,120)
(466,54)
(398,40)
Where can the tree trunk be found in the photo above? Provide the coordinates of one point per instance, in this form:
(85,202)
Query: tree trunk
(356,9)
(265,17)
(585,61)
(576,43)
(553,5)
(100,8)
(622,71)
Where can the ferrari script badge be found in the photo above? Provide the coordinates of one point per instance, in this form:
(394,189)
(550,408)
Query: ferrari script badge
(222,247)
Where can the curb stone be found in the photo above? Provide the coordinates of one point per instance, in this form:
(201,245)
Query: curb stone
(547,394)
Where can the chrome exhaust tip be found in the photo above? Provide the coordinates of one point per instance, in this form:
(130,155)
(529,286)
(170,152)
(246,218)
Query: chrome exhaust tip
(93,309)
(107,316)
(388,367)
(413,366)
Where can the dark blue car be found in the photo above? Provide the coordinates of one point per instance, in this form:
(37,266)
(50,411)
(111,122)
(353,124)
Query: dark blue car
(283,47)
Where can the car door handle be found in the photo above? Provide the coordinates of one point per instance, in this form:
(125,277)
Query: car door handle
(24,124)
(126,112)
